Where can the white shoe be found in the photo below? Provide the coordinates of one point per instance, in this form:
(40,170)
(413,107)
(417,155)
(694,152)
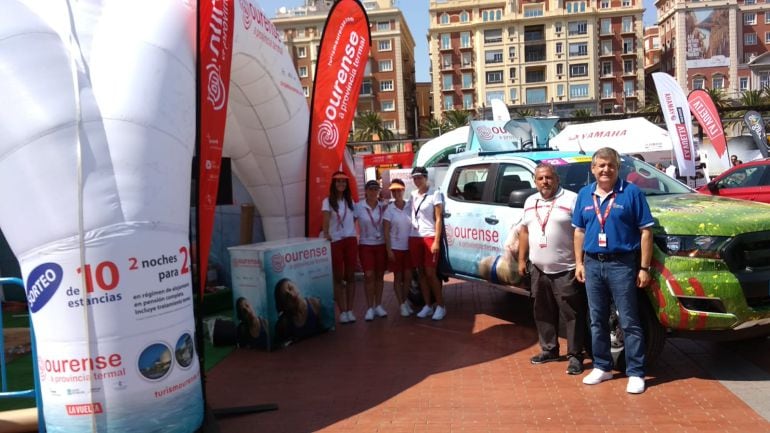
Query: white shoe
(344,317)
(635,385)
(380,312)
(369,315)
(440,313)
(409,307)
(351,317)
(405,310)
(425,312)
(597,376)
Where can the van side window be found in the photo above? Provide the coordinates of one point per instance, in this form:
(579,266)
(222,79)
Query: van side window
(512,178)
(469,182)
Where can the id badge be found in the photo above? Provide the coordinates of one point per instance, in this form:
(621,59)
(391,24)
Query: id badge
(603,240)
(543,241)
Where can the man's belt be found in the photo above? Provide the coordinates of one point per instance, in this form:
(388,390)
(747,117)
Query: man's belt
(611,257)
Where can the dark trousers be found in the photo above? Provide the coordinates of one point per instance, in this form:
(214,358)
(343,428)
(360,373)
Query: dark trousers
(559,297)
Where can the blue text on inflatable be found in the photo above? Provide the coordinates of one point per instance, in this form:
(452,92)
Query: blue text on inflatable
(42,284)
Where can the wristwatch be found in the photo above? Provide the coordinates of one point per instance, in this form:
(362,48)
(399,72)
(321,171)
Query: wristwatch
(646,268)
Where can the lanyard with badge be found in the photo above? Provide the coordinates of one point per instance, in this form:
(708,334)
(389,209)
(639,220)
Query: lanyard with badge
(416,221)
(543,239)
(603,219)
(341,220)
(377,223)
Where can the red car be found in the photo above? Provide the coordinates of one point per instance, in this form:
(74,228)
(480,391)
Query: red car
(748,181)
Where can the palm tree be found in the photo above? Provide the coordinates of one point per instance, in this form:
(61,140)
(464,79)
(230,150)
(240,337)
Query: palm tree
(720,99)
(369,126)
(582,114)
(454,119)
(652,107)
(749,98)
(526,112)
(434,128)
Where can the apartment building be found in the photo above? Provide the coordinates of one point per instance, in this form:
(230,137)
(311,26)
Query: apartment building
(552,56)
(389,82)
(719,45)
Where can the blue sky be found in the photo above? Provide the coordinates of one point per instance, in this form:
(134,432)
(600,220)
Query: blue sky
(416,13)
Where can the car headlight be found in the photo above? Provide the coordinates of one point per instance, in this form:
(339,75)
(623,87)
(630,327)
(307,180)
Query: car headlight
(704,247)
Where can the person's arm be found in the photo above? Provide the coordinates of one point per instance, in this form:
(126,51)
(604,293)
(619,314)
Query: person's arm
(523,249)
(388,246)
(438,214)
(643,277)
(578,239)
(326,233)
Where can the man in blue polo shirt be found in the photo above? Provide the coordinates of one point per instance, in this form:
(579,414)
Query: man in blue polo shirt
(613,223)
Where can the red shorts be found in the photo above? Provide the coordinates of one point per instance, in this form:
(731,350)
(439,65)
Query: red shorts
(344,256)
(373,257)
(419,250)
(402,262)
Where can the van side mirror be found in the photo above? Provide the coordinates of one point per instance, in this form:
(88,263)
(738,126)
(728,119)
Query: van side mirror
(519,196)
(712,186)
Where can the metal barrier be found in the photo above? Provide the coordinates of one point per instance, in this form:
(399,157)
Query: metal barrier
(29,393)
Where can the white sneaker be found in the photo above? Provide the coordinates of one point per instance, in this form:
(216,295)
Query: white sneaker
(425,312)
(635,385)
(440,313)
(344,317)
(369,315)
(351,317)
(380,312)
(409,307)
(405,310)
(597,376)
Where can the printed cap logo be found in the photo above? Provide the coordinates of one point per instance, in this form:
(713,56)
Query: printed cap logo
(328,136)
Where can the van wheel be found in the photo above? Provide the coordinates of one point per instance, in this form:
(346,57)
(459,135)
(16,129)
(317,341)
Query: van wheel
(654,336)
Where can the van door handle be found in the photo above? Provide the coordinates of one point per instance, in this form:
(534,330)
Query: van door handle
(447,214)
(492,220)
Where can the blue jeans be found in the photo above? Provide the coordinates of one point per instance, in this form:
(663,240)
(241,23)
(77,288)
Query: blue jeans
(605,282)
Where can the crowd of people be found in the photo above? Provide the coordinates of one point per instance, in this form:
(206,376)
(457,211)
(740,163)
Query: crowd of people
(585,252)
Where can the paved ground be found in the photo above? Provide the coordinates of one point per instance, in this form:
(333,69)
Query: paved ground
(471,373)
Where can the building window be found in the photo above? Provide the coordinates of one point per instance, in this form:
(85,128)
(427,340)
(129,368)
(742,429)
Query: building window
(302,71)
(606,26)
(749,18)
(493,36)
(626,3)
(492,15)
(388,106)
(749,39)
(531,11)
(697,83)
(446,82)
(578,91)
(606,69)
(511,53)
(559,48)
(468,101)
(767,36)
(557,27)
(446,41)
(560,69)
(386,65)
(578,49)
(444,19)
(465,40)
(463,17)
(467,80)
(366,87)
(536,96)
(383,26)
(717,82)
(495,95)
(493,56)
(749,2)
(386,86)
(628,25)
(628,66)
(604,4)
(579,70)
(494,77)
(767,17)
(466,60)
(743,83)
(560,90)
(512,73)
(629,87)
(607,90)
(628,45)
(446,61)
(575,7)
(606,48)
(449,102)
(514,94)
(578,28)
(301,52)
(385,45)
(305,91)
(389,124)
(535,75)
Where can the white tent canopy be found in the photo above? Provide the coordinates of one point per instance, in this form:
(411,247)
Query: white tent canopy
(629,136)
(442,144)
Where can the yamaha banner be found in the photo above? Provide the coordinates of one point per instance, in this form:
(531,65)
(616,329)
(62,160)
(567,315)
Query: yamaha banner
(705,111)
(756,125)
(342,58)
(676,111)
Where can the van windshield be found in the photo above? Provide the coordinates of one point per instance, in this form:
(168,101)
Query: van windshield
(648,178)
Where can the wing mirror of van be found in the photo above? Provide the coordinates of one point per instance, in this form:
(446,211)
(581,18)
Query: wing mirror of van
(712,186)
(517,197)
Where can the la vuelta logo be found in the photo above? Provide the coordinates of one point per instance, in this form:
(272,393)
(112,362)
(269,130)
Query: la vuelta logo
(219,28)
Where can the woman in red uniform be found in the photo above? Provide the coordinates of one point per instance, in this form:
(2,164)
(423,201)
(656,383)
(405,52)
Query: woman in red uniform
(397,225)
(371,248)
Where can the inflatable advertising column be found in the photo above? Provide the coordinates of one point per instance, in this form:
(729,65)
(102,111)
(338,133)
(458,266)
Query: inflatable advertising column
(97,130)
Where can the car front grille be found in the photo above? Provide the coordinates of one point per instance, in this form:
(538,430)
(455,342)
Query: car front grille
(748,257)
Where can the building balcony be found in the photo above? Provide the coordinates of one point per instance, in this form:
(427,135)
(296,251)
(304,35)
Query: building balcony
(606,54)
(466,65)
(628,53)
(466,47)
(449,48)
(608,95)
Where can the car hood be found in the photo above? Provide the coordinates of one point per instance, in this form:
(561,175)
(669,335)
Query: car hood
(698,214)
